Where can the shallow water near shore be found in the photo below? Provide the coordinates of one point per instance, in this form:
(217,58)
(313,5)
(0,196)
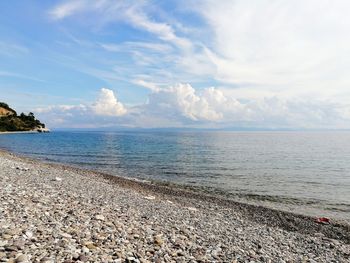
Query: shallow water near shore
(302,172)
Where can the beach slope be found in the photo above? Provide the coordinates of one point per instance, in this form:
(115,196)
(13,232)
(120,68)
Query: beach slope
(53,213)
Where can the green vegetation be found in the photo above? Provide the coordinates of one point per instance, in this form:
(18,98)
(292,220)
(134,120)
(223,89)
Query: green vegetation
(6,107)
(10,121)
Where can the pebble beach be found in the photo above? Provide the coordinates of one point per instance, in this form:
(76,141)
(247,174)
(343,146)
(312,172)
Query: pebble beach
(55,213)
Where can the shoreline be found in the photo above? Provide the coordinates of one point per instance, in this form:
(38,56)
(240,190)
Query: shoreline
(190,202)
(15,132)
(312,208)
(169,189)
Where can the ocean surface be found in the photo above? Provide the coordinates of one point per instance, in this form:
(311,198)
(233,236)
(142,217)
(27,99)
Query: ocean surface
(302,172)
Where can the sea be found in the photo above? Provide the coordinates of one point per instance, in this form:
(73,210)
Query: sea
(305,172)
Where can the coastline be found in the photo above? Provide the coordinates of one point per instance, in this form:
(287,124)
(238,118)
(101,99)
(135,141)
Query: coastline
(15,132)
(242,230)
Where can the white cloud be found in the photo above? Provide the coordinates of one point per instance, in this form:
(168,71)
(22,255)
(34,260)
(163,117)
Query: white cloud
(182,105)
(183,101)
(295,47)
(164,31)
(134,12)
(99,113)
(62,108)
(67,9)
(146,84)
(108,105)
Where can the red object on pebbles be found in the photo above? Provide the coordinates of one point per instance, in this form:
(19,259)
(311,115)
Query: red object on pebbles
(322,220)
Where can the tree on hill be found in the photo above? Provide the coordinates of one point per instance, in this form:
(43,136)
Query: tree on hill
(7,107)
(22,122)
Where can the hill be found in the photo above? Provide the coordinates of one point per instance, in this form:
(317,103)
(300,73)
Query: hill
(10,121)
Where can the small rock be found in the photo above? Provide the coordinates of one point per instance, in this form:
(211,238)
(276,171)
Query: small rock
(65,235)
(158,240)
(28,234)
(150,197)
(85,250)
(46,260)
(90,245)
(58,179)
(10,248)
(11,232)
(100,217)
(20,244)
(319,234)
(21,258)
(3,243)
(83,258)
(6,236)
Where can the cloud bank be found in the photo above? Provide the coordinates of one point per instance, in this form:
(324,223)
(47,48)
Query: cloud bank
(181,105)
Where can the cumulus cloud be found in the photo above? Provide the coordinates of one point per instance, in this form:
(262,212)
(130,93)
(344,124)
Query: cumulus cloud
(108,105)
(181,105)
(182,100)
(105,105)
(98,114)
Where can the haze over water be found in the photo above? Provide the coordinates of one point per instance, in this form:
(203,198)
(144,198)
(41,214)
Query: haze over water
(303,172)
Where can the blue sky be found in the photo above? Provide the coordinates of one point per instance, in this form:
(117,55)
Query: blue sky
(204,64)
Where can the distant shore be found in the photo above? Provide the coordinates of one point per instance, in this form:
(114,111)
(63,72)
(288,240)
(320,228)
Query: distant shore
(53,213)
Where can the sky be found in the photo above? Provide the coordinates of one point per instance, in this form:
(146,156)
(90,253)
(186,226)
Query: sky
(178,63)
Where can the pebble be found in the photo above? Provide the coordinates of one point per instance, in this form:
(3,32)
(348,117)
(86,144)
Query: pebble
(100,217)
(150,197)
(89,218)
(85,250)
(83,258)
(90,246)
(46,260)
(21,258)
(28,234)
(158,240)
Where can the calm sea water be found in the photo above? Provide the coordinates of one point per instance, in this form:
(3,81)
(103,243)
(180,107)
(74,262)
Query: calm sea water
(303,172)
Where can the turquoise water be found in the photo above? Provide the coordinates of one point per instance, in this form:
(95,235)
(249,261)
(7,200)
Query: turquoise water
(297,171)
